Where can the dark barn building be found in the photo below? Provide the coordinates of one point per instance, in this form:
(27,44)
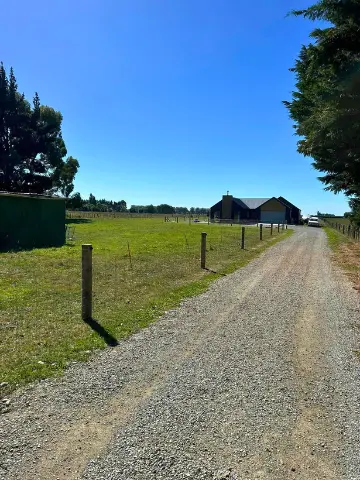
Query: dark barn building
(268,210)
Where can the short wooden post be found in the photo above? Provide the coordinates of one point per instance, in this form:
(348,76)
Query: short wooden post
(278,227)
(203,250)
(242,238)
(286,227)
(86,293)
(177,219)
(271,229)
(261,232)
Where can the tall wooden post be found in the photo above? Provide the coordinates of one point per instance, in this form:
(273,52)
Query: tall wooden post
(242,238)
(271,229)
(203,250)
(261,231)
(86,291)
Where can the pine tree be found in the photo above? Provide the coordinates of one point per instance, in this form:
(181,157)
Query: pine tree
(326,104)
(32,149)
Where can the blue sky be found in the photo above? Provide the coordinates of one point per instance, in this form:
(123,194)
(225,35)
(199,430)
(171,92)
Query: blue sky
(169,101)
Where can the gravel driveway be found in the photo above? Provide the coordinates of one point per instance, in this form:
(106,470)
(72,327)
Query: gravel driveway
(255,379)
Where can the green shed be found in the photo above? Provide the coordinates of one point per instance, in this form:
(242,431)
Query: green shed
(31,221)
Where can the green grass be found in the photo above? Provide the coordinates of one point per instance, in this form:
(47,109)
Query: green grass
(336,238)
(40,290)
(341,220)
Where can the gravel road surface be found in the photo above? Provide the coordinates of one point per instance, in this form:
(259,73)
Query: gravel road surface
(255,379)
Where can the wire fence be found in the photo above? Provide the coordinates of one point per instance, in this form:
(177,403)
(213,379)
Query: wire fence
(351,231)
(131,276)
(138,270)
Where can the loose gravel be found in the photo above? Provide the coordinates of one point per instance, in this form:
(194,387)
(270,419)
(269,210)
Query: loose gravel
(254,379)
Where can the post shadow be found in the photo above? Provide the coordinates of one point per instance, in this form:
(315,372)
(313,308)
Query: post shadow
(100,330)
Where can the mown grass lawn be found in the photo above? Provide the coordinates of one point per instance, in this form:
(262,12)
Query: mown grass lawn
(40,289)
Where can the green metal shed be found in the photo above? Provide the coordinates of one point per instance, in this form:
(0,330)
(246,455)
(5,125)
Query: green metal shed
(31,221)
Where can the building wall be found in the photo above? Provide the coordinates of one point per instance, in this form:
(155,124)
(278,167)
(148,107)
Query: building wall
(273,206)
(29,222)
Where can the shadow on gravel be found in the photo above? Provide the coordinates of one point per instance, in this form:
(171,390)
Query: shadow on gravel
(105,335)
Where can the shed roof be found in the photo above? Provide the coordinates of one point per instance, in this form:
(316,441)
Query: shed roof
(30,195)
(252,203)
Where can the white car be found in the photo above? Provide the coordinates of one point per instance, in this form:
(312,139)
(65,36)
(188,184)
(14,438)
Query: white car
(313,222)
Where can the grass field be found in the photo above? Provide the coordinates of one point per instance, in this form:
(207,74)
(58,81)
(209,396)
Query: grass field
(40,289)
(341,220)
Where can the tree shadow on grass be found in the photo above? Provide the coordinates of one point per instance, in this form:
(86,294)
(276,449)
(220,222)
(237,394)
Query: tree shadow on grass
(100,330)
(77,220)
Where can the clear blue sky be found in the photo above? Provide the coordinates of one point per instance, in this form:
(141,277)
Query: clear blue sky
(169,101)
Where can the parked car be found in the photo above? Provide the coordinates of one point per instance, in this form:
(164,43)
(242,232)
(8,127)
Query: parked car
(313,222)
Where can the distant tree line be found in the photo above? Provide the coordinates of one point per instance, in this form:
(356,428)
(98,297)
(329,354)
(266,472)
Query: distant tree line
(319,214)
(92,204)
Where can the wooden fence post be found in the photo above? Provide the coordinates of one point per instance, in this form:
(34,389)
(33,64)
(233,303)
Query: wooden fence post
(86,291)
(278,227)
(203,250)
(271,229)
(261,231)
(242,238)
(286,227)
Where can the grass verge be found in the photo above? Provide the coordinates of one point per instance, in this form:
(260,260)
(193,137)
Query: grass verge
(347,256)
(141,268)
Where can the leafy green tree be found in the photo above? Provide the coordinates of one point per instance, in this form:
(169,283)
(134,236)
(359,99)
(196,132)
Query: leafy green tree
(32,149)
(75,202)
(150,209)
(92,199)
(165,208)
(326,104)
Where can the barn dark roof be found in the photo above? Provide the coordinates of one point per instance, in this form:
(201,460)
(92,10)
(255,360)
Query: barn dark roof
(252,203)
(287,203)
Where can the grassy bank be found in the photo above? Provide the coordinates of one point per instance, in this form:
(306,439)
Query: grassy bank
(141,267)
(347,255)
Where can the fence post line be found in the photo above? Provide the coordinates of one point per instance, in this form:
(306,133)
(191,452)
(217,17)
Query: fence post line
(271,229)
(203,250)
(242,238)
(86,287)
(261,231)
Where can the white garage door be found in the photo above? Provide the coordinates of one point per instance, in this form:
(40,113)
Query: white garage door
(272,217)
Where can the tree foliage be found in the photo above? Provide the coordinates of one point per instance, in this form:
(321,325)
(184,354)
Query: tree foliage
(326,104)
(32,149)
